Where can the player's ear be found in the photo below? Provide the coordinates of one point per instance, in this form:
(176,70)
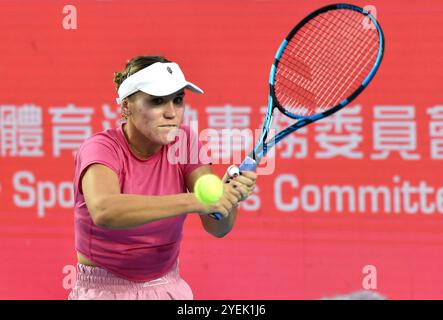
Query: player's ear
(125,105)
(125,108)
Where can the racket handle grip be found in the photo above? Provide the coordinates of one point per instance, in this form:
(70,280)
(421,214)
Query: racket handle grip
(248,164)
(216,215)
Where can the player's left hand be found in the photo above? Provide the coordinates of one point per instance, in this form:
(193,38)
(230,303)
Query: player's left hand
(244,183)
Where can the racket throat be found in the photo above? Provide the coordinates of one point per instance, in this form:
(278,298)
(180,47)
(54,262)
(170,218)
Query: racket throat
(249,164)
(257,153)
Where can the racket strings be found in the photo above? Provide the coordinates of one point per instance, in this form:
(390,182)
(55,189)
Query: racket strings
(325,61)
(310,49)
(357,57)
(328,93)
(330,36)
(326,64)
(336,63)
(339,45)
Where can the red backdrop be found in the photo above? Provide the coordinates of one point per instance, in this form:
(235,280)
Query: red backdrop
(361,191)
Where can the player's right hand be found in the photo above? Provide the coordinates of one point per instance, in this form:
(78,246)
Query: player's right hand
(229,200)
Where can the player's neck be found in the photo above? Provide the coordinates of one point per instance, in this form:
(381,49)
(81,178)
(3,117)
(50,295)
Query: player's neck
(137,142)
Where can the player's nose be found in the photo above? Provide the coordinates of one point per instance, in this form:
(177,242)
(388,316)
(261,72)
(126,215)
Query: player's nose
(170,110)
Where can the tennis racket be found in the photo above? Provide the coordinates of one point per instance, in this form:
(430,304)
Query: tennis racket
(323,64)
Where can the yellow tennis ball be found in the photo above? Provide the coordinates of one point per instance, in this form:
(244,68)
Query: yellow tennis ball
(208,189)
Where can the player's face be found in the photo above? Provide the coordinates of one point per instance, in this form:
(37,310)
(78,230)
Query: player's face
(157,118)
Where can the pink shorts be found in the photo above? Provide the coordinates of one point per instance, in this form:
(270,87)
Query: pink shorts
(94,283)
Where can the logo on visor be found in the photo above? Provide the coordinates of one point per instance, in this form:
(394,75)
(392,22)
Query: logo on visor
(169,70)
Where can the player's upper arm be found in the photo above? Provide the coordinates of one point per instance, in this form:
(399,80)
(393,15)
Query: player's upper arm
(98,182)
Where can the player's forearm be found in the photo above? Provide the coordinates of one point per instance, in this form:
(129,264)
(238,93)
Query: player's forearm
(126,210)
(220,228)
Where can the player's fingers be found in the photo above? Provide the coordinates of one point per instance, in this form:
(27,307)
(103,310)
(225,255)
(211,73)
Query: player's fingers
(231,188)
(221,208)
(249,174)
(245,190)
(233,197)
(227,205)
(245,180)
(242,189)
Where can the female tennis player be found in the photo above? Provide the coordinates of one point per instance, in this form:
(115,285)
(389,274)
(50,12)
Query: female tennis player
(131,192)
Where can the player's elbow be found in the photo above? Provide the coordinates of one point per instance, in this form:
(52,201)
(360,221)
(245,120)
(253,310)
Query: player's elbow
(219,233)
(101,220)
(100,213)
(214,228)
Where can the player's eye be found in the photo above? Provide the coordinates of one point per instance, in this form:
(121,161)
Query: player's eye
(179,100)
(157,101)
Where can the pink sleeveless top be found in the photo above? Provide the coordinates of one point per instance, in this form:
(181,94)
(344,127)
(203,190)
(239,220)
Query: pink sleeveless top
(149,251)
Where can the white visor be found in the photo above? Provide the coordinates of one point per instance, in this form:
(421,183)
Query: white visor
(159,79)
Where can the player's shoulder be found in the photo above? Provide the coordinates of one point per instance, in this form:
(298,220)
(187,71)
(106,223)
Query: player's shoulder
(108,137)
